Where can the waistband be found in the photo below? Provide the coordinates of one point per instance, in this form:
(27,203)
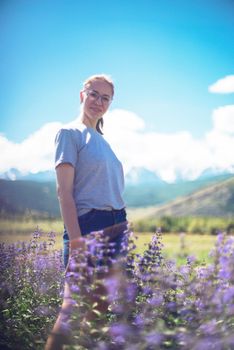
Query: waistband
(109,210)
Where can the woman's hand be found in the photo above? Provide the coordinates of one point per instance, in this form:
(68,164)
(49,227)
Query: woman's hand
(78,244)
(77,249)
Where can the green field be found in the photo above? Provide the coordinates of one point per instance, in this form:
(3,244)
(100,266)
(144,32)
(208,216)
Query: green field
(22,228)
(175,246)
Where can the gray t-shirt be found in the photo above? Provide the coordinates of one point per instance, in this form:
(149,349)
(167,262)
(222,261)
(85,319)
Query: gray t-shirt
(99,177)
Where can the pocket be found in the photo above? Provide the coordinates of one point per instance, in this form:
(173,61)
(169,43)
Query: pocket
(114,231)
(121,216)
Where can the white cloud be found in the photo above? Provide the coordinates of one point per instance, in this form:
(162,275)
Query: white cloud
(34,154)
(221,138)
(223,118)
(172,155)
(223,86)
(168,155)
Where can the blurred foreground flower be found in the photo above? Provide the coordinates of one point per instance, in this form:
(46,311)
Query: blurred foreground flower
(149,302)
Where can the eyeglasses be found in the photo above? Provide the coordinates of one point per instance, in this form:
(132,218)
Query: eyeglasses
(94,95)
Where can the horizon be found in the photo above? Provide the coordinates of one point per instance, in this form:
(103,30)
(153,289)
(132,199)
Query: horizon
(135,176)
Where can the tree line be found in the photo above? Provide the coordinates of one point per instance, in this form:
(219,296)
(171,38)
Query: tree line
(199,225)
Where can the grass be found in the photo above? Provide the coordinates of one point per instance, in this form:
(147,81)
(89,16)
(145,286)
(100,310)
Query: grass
(178,247)
(26,226)
(174,247)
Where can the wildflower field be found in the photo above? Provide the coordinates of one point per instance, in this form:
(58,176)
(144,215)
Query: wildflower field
(176,245)
(154,303)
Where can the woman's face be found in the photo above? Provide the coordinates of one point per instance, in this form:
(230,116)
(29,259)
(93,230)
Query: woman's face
(96,99)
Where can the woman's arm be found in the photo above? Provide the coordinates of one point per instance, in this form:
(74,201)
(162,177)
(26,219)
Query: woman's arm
(65,177)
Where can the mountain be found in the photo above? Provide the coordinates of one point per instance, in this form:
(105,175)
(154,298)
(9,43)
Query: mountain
(143,194)
(139,176)
(20,197)
(14,174)
(136,176)
(183,198)
(214,200)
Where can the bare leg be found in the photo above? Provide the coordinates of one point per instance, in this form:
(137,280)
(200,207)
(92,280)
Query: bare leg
(100,295)
(60,334)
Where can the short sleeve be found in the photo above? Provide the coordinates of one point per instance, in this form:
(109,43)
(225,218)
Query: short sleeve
(66,148)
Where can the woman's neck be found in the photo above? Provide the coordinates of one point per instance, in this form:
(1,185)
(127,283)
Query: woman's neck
(86,121)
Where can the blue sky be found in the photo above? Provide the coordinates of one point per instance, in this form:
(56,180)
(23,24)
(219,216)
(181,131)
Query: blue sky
(163,56)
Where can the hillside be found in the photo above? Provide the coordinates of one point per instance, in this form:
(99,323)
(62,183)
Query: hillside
(215,200)
(214,197)
(151,193)
(20,197)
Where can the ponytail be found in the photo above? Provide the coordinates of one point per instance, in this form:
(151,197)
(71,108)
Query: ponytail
(99,126)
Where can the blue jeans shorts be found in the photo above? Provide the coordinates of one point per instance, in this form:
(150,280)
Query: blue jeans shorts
(97,220)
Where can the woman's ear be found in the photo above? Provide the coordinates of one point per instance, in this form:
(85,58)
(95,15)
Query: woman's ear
(81,96)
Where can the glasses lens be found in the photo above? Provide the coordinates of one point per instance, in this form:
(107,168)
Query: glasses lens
(95,96)
(105,99)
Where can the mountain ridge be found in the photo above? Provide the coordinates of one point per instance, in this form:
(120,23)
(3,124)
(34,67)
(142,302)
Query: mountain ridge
(134,177)
(215,200)
(40,198)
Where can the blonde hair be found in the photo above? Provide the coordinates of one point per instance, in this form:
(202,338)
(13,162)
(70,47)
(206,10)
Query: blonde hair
(108,80)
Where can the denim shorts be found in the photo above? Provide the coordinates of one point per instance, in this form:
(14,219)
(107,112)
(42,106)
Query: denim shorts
(97,220)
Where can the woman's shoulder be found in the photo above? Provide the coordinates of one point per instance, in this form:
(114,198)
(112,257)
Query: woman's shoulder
(72,130)
(72,134)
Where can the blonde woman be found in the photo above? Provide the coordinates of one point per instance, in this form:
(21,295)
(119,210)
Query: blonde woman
(90,181)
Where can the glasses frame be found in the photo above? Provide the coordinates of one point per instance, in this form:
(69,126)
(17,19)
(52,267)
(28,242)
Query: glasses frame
(103,98)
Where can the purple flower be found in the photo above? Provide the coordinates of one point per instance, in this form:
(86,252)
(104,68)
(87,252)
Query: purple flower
(102,346)
(208,344)
(209,327)
(154,338)
(139,321)
(224,274)
(156,300)
(112,284)
(228,296)
(131,291)
(75,288)
(184,270)
(191,259)
(119,331)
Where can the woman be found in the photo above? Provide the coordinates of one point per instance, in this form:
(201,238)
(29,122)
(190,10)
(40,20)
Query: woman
(90,180)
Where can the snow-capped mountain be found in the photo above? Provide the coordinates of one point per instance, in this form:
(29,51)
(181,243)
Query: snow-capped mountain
(140,176)
(15,174)
(137,176)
